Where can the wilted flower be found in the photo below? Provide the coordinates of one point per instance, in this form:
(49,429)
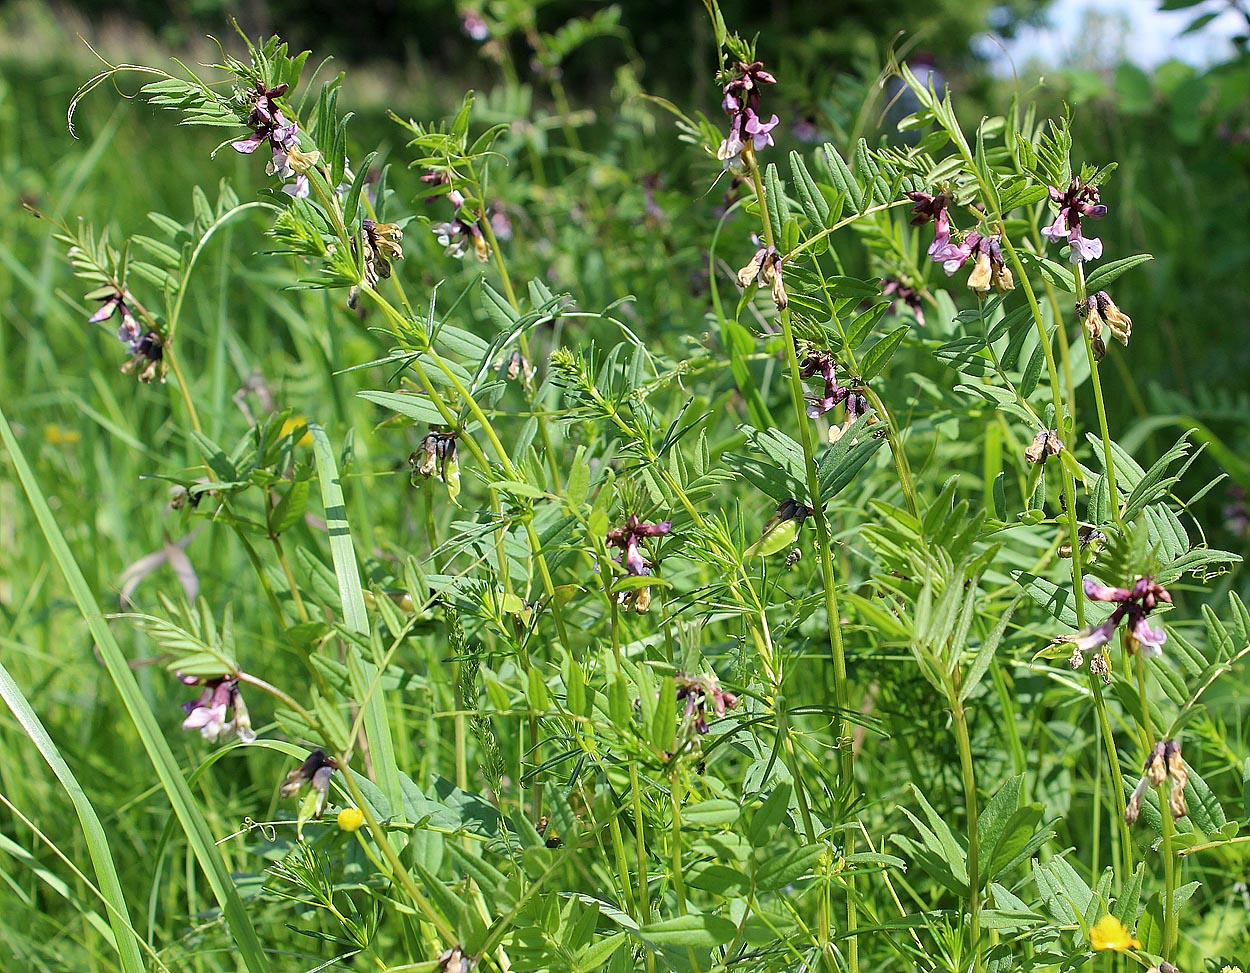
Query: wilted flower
(519,367)
(437,452)
(1164,762)
(1045,443)
(147,358)
(313,776)
(1110,933)
(988,269)
(699,692)
(1076,202)
(1085,536)
(897,291)
(1098,311)
(208,713)
(765,269)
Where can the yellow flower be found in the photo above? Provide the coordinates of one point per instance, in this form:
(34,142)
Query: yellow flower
(1110,933)
(294,423)
(351,818)
(1231,969)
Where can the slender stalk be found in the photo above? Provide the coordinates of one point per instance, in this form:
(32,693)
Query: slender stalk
(824,545)
(1082,295)
(959,715)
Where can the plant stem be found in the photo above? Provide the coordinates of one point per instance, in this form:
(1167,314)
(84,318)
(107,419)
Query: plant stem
(959,716)
(824,545)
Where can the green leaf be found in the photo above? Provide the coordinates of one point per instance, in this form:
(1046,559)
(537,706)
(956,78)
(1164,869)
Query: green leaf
(418,407)
(711,814)
(815,206)
(779,871)
(355,614)
(692,931)
(1107,274)
(879,355)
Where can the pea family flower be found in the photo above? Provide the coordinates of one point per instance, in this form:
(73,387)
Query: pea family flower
(988,268)
(1110,933)
(208,712)
(632,559)
(454,960)
(147,358)
(1164,762)
(1098,311)
(115,303)
(1045,443)
(699,692)
(742,103)
(1078,201)
(437,452)
(1134,604)
(764,269)
(312,779)
(896,290)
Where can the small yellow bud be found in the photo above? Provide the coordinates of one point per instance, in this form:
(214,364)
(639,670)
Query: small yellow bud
(351,818)
(1110,933)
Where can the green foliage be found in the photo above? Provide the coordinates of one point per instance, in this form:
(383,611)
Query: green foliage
(606,641)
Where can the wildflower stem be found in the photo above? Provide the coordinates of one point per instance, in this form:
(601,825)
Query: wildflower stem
(280,696)
(183,389)
(1082,295)
(290,577)
(1166,845)
(960,718)
(824,545)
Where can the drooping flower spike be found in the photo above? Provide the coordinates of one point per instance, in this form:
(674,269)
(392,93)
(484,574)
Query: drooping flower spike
(1164,762)
(1133,604)
(632,559)
(1098,311)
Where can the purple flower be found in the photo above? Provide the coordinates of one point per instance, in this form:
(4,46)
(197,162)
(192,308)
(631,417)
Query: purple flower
(474,25)
(698,692)
(208,713)
(1076,202)
(988,269)
(1132,603)
(627,537)
(115,300)
(760,132)
(267,122)
(897,290)
(314,772)
(741,102)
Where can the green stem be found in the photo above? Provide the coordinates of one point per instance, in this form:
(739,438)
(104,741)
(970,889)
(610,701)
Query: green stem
(1113,495)
(960,718)
(824,545)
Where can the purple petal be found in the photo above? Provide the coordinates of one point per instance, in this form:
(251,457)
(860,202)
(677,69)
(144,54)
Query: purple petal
(1100,592)
(248,145)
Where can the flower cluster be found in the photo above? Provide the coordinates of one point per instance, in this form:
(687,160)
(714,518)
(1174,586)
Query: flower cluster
(1135,604)
(147,348)
(1165,761)
(896,290)
(462,230)
(823,364)
(742,104)
(765,270)
(1078,201)
(1099,311)
(208,712)
(698,692)
(268,124)
(985,250)
(632,559)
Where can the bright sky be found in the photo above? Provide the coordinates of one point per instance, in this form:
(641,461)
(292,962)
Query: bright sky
(1107,31)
